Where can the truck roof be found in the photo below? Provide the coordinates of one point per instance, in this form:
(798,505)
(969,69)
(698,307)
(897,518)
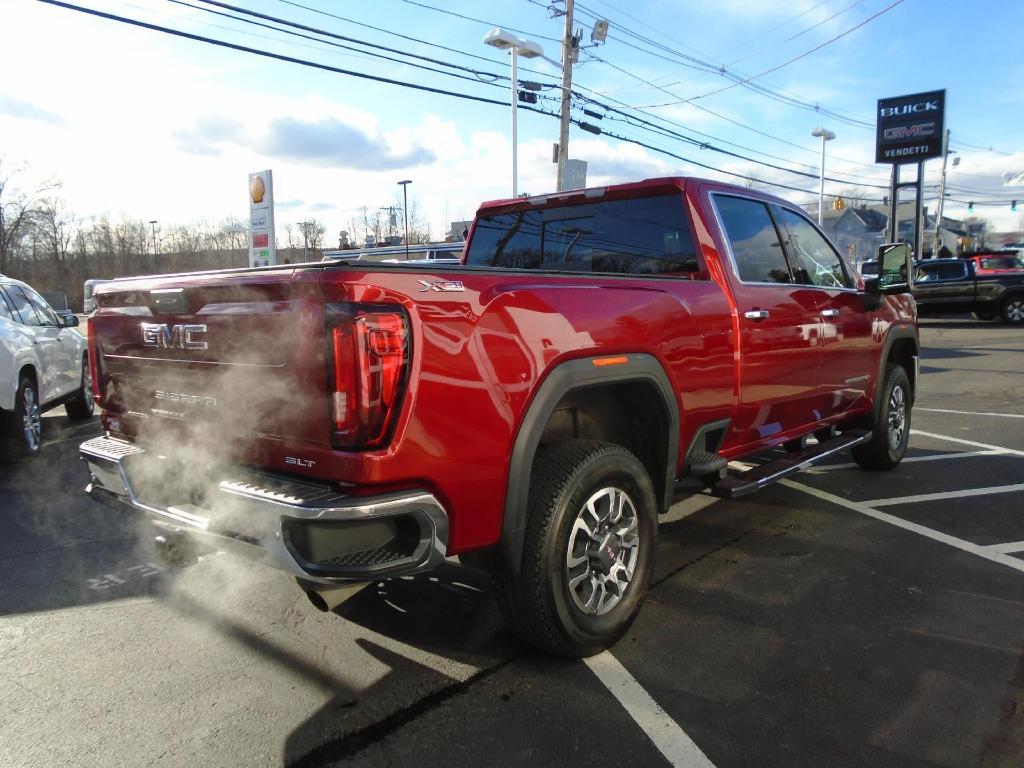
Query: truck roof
(660,185)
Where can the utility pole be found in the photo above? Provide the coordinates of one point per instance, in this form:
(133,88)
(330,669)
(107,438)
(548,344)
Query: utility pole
(156,263)
(568,48)
(942,197)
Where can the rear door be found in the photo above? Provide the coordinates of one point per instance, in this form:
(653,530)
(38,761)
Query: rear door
(68,367)
(848,355)
(780,387)
(45,342)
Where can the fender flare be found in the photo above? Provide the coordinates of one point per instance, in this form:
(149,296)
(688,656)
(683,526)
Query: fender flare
(896,333)
(580,373)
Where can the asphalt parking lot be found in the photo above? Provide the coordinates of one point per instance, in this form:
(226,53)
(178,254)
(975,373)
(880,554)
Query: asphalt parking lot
(842,618)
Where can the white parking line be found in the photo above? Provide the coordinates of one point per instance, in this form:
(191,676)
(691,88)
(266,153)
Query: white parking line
(862,507)
(1008,548)
(933,457)
(668,737)
(967,442)
(945,495)
(971,413)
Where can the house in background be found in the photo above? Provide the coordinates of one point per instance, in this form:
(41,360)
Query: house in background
(859,230)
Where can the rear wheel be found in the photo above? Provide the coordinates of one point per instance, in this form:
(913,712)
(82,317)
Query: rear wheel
(1012,310)
(588,552)
(25,427)
(891,429)
(82,406)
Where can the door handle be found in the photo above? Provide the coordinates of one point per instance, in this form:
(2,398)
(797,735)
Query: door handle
(756,314)
(830,313)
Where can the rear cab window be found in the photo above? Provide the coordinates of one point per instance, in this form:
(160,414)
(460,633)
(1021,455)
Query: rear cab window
(638,236)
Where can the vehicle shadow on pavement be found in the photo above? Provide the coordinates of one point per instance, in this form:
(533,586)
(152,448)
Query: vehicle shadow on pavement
(450,611)
(61,549)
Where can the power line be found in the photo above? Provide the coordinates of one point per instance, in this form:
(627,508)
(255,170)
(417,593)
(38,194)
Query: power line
(279,56)
(802,55)
(722,70)
(390,81)
(802,32)
(476,73)
(479,21)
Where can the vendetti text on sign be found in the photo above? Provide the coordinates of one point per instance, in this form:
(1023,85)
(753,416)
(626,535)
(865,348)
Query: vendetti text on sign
(910,127)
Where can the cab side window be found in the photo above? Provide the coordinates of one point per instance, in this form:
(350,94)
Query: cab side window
(23,311)
(814,261)
(754,239)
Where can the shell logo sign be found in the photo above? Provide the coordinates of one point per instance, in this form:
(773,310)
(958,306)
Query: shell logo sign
(257,189)
(262,245)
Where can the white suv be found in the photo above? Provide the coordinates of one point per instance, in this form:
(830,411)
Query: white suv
(44,363)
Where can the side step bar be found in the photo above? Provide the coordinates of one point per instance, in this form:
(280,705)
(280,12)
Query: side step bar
(755,479)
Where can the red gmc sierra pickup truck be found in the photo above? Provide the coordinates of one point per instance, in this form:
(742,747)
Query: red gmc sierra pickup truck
(531,410)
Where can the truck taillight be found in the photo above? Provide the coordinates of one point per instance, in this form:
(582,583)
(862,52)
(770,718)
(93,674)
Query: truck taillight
(369,355)
(94,367)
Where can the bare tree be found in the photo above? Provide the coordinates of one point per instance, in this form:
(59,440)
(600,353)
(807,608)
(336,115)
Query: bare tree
(55,230)
(17,209)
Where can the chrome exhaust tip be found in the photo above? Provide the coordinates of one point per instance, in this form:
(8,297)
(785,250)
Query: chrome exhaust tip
(326,598)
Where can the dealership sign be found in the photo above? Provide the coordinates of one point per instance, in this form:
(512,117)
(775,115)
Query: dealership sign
(262,246)
(910,128)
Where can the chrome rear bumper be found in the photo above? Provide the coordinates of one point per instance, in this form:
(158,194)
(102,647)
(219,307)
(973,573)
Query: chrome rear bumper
(306,528)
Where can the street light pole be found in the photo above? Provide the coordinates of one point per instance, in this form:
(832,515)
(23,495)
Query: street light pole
(405,210)
(506,41)
(515,121)
(946,152)
(156,266)
(825,135)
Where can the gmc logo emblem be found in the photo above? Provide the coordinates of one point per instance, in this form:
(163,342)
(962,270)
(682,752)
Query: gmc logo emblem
(173,336)
(920,130)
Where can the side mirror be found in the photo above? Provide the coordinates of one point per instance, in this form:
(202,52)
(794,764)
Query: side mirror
(69,321)
(895,270)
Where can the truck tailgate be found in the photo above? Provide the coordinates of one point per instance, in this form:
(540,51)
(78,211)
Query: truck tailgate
(214,357)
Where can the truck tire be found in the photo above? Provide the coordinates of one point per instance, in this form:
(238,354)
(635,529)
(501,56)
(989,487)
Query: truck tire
(589,549)
(81,407)
(24,428)
(890,433)
(1012,310)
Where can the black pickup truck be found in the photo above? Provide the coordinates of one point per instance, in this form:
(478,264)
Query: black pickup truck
(952,286)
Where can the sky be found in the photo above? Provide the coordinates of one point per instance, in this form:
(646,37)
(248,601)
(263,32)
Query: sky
(141,123)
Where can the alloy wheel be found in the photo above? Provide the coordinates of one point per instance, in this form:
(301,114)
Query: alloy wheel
(31,419)
(897,417)
(603,549)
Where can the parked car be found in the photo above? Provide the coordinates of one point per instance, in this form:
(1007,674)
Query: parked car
(43,363)
(1001,263)
(88,302)
(531,410)
(953,286)
(58,302)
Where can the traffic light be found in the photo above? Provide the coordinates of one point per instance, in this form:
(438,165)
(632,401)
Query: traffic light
(838,204)
(970,207)
(1013,206)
